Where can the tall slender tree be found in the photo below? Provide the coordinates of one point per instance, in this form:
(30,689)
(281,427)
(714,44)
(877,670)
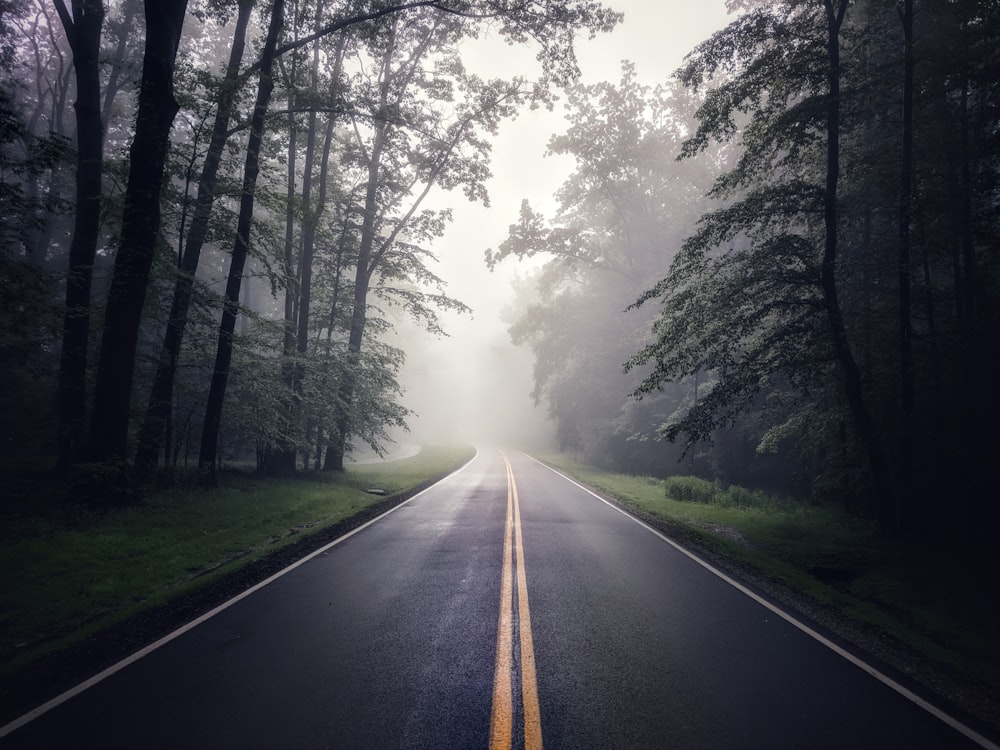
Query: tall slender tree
(83,30)
(871,438)
(907,395)
(140,224)
(415,147)
(241,249)
(151,433)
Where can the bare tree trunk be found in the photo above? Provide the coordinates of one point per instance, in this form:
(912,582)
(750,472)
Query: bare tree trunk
(208,455)
(161,396)
(140,224)
(84,33)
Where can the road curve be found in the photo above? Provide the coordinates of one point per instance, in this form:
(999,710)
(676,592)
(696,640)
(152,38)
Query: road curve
(395,637)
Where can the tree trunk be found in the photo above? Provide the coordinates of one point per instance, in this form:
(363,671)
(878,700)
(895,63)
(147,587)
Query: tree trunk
(864,422)
(161,396)
(291,273)
(345,395)
(128,9)
(906,371)
(84,33)
(283,459)
(208,455)
(140,224)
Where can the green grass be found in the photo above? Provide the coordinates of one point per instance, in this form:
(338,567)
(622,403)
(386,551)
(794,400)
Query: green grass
(69,571)
(931,597)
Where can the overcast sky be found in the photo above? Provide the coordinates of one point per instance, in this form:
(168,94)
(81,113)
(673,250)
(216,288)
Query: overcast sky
(475,384)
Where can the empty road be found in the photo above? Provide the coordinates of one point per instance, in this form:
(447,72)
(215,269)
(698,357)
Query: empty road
(504,607)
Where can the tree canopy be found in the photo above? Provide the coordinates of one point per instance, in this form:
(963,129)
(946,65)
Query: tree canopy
(812,311)
(326,122)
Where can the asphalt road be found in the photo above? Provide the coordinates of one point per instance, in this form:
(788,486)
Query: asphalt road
(435,627)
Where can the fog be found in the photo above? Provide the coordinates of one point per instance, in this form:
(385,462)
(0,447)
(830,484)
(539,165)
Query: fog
(475,384)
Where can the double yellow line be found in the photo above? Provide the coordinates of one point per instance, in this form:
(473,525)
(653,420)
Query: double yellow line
(501,722)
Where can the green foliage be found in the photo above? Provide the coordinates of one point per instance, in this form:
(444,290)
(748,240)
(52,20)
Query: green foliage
(619,216)
(691,489)
(436,121)
(742,301)
(696,490)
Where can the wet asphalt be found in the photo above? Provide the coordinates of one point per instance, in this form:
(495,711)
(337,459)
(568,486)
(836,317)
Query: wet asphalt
(389,638)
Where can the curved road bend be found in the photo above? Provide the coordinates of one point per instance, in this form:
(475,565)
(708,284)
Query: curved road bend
(487,613)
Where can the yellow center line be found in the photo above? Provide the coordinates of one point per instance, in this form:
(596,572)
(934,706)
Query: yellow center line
(501,721)
(529,687)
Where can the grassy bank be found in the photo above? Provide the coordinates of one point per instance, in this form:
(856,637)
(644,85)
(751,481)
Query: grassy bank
(69,572)
(937,599)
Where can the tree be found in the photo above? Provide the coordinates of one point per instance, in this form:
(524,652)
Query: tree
(419,139)
(776,289)
(30,313)
(241,248)
(518,24)
(619,213)
(83,30)
(157,107)
(907,385)
(140,224)
(158,410)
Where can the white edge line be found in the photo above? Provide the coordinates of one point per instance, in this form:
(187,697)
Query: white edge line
(948,719)
(128,660)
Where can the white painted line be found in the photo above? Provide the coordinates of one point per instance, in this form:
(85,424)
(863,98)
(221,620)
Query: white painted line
(951,721)
(117,667)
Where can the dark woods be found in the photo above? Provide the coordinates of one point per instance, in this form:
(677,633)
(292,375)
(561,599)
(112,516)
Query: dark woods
(214,211)
(827,323)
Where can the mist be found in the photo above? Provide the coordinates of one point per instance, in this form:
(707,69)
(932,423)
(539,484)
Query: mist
(475,384)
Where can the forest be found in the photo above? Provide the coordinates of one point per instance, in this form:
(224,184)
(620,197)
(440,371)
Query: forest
(778,268)
(792,245)
(213,210)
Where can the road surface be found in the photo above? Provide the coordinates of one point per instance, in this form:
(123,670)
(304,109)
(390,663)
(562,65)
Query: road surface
(504,607)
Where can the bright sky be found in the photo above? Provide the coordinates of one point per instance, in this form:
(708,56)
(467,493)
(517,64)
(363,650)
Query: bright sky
(475,382)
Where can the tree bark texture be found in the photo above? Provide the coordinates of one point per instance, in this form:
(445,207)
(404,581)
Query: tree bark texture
(140,225)
(84,33)
(907,397)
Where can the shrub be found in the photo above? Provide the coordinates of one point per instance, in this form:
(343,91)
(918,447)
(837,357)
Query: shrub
(741,497)
(104,485)
(691,489)
(695,490)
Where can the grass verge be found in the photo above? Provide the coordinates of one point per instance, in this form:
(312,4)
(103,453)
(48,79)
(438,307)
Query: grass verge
(72,572)
(938,600)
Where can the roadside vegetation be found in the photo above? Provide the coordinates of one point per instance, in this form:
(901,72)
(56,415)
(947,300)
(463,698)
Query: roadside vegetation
(919,593)
(70,571)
